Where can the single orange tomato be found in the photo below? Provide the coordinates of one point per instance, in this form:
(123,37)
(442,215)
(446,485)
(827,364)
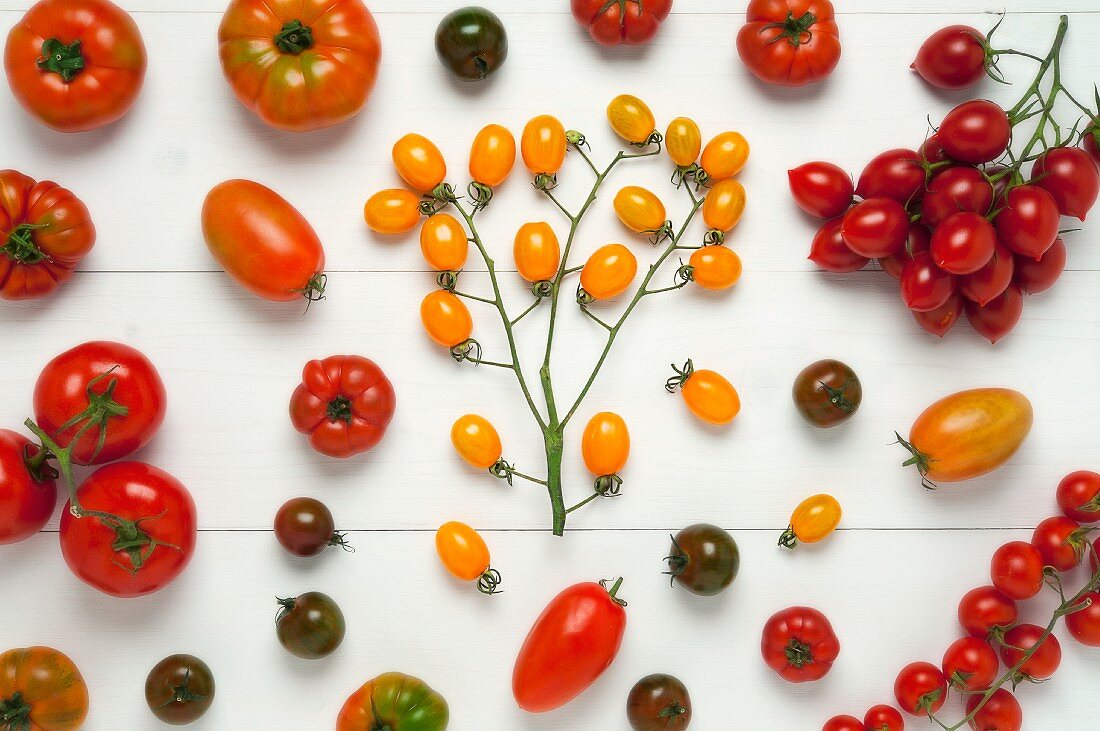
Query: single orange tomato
(41,689)
(419,162)
(536,252)
(715,267)
(492,155)
(725,155)
(444,243)
(608,272)
(815,518)
(724,205)
(640,210)
(476,441)
(707,394)
(446,319)
(683,141)
(968,433)
(631,119)
(543,145)
(605,444)
(464,553)
(392,211)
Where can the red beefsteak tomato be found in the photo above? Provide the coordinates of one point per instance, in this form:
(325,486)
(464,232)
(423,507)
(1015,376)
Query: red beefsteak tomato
(789,42)
(799,644)
(611,22)
(344,404)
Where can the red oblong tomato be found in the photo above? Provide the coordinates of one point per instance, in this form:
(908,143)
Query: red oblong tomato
(924,286)
(963,243)
(569,647)
(1028,222)
(344,404)
(53,693)
(920,688)
(28,495)
(1001,712)
(919,240)
(149,544)
(1071,177)
(991,280)
(985,611)
(44,233)
(952,57)
(799,644)
(75,65)
(263,242)
(621,21)
(829,251)
(789,42)
(953,190)
(1078,496)
(895,174)
(300,64)
(821,189)
(1039,275)
(976,131)
(1042,663)
(997,317)
(940,320)
(875,227)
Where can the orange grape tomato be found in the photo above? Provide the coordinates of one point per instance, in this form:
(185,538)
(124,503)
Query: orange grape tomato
(419,162)
(605,444)
(476,441)
(536,251)
(446,319)
(715,267)
(543,145)
(631,118)
(462,550)
(724,205)
(710,397)
(492,155)
(640,210)
(683,141)
(392,211)
(444,243)
(725,155)
(815,517)
(609,271)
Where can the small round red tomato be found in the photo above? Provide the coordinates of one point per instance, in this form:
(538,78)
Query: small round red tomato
(920,688)
(821,189)
(608,272)
(1039,275)
(895,174)
(304,526)
(1078,496)
(1071,177)
(1043,662)
(790,43)
(970,664)
(138,532)
(883,718)
(952,58)
(997,317)
(799,644)
(875,227)
(621,21)
(1090,141)
(963,243)
(919,239)
(1061,542)
(985,611)
(931,150)
(844,723)
(344,404)
(976,131)
(953,190)
(1028,221)
(1084,623)
(924,286)
(109,386)
(1017,570)
(28,493)
(829,252)
(940,320)
(394,701)
(989,282)
(1001,712)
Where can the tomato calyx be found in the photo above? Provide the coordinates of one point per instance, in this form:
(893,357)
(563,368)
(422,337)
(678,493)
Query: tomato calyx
(20,245)
(671,712)
(788,538)
(798,653)
(468,349)
(545,181)
(314,291)
(489,582)
(294,37)
(339,409)
(542,289)
(480,194)
(838,398)
(14,712)
(796,31)
(958,680)
(928,701)
(182,693)
(682,374)
(677,561)
(614,590)
(918,458)
(64,60)
(341,540)
(604,486)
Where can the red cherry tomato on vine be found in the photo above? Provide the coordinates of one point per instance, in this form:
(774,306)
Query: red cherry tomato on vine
(1071,177)
(1061,543)
(843,723)
(985,611)
(1045,660)
(1028,221)
(919,240)
(875,227)
(931,150)
(1001,712)
(970,664)
(789,42)
(883,718)
(920,688)
(1084,624)
(963,243)
(27,496)
(799,644)
(829,252)
(1039,275)
(952,58)
(1079,496)
(924,286)
(1017,570)
(976,131)
(344,404)
(621,21)
(953,190)
(1090,141)
(989,282)
(999,316)
(895,174)
(940,320)
(821,189)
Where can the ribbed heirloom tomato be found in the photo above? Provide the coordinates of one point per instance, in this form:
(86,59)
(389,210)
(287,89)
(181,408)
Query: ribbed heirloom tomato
(476,441)
(812,521)
(41,689)
(444,243)
(631,119)
(397,701)
(75,65)
(300,65)
(789,42)
(707,393)
(419,162)
(799,644)
(611,22)
(536,252)
(29,492)
(713,267)
(464,554)
(392,211)
(492,155)
(607,273)
(343,404)
(44,233)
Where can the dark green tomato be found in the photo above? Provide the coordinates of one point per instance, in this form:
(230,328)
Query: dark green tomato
(179,689)
(305,527)
(658,702)
(827,393)
(704,559)
(472,43)
(310,626)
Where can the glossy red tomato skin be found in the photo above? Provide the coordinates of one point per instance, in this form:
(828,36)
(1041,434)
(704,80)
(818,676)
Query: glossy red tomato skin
(632,22)
(60,394)
(807,630)
(569,647)
(1039,275)
(991,280)
(952,57)
(1028,221)
(940,320)
(976,131)
(843,723)
(1055,539)
(999,316)
(931,150)
(809,56)
(883,718)
(963,243)
(919,239)
(26,504)
(1043,663)
(895,174)
(955,189)
(924,286)
(821,189)
(920,683)
(1001,712)
(970,664)
(344,404)
(829,252)
(1017,570)
(875,227)
(1078,496)
(1071,177)
(986,609)
(130,490)
(1084,624)
(114,64)
(1090,141)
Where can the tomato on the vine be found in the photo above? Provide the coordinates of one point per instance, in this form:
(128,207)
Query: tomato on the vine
(999,316)
(920,688)
(1078,496)
(640,210)
(883,718)
(304,526)
(955,189)
(1039,275)
(605,444)
(990,281)
(829,251)
(896,174)
(1043,662)
(790,42)
(844,723)
(41,689)
(724,156)
(611,22)
(419,162)
(444,243)
(940,320)
(970,664)
(608,272)
(707,393)
(543,145)
(799,644)
(985,612)
(476,441)
(1084,622)
(464,554)
(1061,541)
(310,626)
(658,702)
(683,141)
(976,131)
(344,404)
(952,58)
(821,189)
(1071,177)
(446,319)
(963,243)
(724,206)
(29,492)
(714,267)
(1001,712)
(924,286)
(631,119)
(918,240)
(392,211)
(1028,220)
(812,521)
(704,559)
(536,252)
(875,227)
(492,155)
(179,689)
(1017,570)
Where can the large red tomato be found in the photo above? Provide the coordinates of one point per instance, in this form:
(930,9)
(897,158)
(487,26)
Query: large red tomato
(571,644)
(344,403)
(789,42)
(300,64)
(75,64)
(799,644)
(611,22)
(28,492)
(44,233)
(138,533)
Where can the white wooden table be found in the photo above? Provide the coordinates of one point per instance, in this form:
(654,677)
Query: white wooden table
(890,580)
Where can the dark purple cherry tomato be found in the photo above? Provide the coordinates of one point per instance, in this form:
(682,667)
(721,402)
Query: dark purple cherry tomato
(952,58)
(952,190)
(895,174)
(179,689)
(940,320)
(963,243)
(310,626)
(1069,174)
(827,393)
(1028,222)
(305,527)
(1039,275)
(821,188)
(997,318)
(829,251)
(704,559)
(975,132)
(992,279)
(924,286)
(875,227)
(919,240)
(658,702)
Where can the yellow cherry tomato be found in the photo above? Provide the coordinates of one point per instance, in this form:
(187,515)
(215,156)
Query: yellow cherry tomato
(446,319)
(464,553)
(725,155)
(492,155)
(683,141)
(707,394)
(419,162)
(814,518)
(605,444)
(476,441)
(392,211)
(640,210)
(536,252)
(543,145)
(724,205)
(443,242)
(631,119)
(715,267)
(608,272)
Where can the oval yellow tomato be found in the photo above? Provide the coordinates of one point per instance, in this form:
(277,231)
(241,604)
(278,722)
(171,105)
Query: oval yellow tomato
(640,210)
(464,554)
(419,162)
(725,155)
(536,252)
(815,517)
(392,211)
(444,243)
(605,444)
(724,205)
(631,119)
(446,319)
(476,441)
(543,145)
(492,155)
(608,272)
(683,141)
(715,267)
(707,394)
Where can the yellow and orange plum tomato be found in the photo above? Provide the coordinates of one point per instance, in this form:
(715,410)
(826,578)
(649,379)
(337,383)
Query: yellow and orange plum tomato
(608,272)
(724,205)
(708,394)
(815,518)
(536,251)
(725,155)
(419,162)
(476,441)
(605,444)
(543,145)
(462,550)
(444,243)
(492,155)
(631,119)
(639,209)
(446,319)
(683,140)
(715,267)
(392,211)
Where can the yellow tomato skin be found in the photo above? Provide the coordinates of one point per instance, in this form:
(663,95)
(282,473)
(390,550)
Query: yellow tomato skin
(631,118)
(492,155)
(392,211)
(711,397)
(462,550)
(815,517)
(683,141)
(715,267)
(476,441)
(605,444)
(536,251)
(609,271)
(446,319)
(419,162)
(724,205)
(640,210)
(443,242)
(543,145)
(725,155)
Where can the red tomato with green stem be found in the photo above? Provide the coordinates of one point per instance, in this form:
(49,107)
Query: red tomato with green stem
(963,243)
(924,286)
(883,718)
(954,57)
(829,252)
(989,282)
(28,492)
(821,189)
(976,131)
(896,174)
(799,644)
(611,22)
(1079,496)
(1017,570)
(875,227)
(844,723)
(920,688)
(1001,712)
(1028,221)
(1084,622)
(789,42)
(1061,542)
(344,404)
(970,664)
(986,613)
(955,189)
(1039,275)
(997,317)
(1045,660)
(1071,177)
(940,320)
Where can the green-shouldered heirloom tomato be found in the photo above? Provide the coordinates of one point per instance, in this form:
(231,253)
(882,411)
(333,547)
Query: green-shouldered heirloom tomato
(394,701)
(41,689)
